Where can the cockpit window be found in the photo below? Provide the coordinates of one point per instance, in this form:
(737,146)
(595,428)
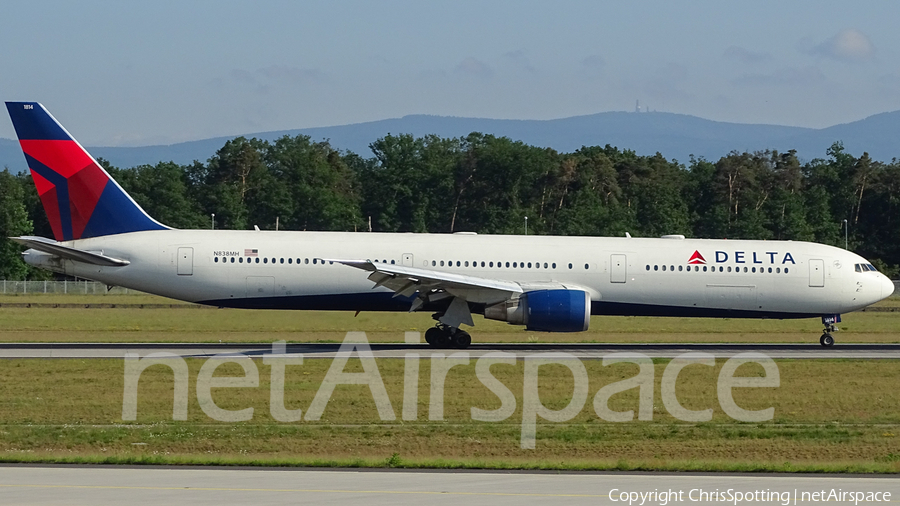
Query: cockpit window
(872,268)
(858,267)
(865,267)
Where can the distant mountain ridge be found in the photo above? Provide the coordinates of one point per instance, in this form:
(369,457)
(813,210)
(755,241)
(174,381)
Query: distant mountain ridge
(676,136)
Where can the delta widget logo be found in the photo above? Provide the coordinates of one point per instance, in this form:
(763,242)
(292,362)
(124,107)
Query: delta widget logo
(697,258)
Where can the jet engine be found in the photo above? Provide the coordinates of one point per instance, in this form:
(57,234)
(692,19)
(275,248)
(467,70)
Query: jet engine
(545,310)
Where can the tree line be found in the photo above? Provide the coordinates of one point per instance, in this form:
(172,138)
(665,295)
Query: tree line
(494,185)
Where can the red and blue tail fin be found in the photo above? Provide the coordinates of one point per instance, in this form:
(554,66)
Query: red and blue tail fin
(79,197)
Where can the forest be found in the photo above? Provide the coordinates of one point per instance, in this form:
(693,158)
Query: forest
(495,185)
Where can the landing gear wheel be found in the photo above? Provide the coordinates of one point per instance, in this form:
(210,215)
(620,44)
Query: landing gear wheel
(440,336)
(829,321)
(433,336)
(461,339)
(444,336)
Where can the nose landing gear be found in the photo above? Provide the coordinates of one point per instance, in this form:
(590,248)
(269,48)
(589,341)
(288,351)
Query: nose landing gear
(829,321)
(445,336)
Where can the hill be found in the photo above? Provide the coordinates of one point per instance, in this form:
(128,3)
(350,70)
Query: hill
(674,135)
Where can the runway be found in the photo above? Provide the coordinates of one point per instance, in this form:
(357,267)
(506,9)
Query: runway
(98,485)
(583,351)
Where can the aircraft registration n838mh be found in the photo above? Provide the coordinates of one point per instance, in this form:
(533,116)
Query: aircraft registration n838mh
(545,283)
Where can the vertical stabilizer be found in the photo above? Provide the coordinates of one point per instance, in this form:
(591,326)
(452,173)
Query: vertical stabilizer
(79,197)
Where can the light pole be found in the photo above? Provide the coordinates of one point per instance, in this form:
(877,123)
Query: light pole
(846,233)
(212,218)
(526,225)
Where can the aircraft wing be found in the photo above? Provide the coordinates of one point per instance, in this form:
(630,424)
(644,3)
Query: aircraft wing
(435,285)
(54,248)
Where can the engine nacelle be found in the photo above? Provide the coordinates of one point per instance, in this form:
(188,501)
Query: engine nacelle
(545,310)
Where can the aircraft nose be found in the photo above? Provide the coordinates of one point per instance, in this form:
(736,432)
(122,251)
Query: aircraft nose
(887,287)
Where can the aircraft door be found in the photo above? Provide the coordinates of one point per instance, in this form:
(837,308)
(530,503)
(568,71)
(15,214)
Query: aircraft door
(408,259)
(185,261)
(816,272)
(618,270)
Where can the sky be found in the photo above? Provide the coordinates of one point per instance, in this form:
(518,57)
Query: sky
(128,73)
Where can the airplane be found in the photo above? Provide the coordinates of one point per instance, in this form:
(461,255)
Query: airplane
(545,283)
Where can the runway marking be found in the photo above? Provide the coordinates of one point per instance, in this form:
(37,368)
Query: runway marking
(299,490)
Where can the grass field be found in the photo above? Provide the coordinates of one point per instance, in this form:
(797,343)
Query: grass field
(830,415)
(194,324)
(71,410)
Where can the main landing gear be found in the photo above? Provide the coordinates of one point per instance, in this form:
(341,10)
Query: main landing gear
(829,321)
(445,336)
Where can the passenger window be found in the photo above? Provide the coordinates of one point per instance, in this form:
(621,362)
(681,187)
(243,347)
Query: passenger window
(529,265)
(704,268)
(664,268)
(680,267)
(655,267)
(554,265)
(216,259)
(648,267)
(778,270)
(570,266)
(785,270)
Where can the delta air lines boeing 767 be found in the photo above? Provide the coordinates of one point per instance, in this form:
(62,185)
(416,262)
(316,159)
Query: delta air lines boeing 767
(544,283)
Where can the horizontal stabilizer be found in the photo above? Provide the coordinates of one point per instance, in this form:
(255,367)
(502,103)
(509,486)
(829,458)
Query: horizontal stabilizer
(77,255)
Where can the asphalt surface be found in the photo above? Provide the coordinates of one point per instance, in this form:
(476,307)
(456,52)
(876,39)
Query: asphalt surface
(99,485)
(584,351)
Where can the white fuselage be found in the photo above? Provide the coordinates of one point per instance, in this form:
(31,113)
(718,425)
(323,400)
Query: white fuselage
(777,279)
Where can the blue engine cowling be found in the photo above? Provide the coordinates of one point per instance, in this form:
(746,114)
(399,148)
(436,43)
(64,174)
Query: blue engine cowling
(558,310)
(546,310)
